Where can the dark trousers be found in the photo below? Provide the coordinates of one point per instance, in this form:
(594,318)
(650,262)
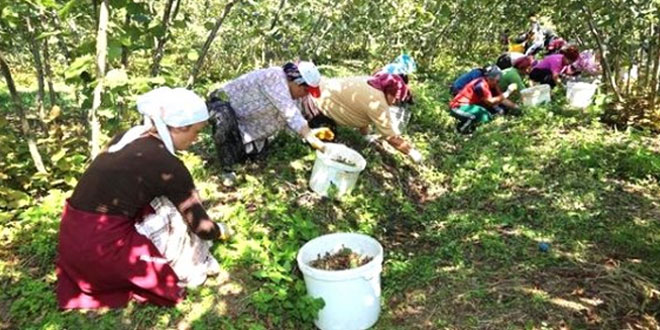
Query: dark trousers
(469,116)
(543,76)
(226,135)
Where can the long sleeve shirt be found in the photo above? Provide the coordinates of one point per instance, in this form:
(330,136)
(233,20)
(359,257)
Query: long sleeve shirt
(124,182)
(351,101)
(263,104)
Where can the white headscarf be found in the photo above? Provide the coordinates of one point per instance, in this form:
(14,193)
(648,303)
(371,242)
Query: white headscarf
(164,107)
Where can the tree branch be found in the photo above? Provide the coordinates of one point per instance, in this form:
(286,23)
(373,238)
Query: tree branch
(209,40)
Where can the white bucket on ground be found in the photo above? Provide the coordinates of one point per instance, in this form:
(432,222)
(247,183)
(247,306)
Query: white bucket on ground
(352,296)
(580,94)
(535,95)
(327,172)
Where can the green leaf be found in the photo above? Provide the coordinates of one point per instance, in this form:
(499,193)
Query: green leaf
(180,24)
(157,80)
(114,50)
(47,34)
(157,30)
(116,77)
(66,9)
(79,65)
(9,17)
(58,155)
(106,113)
(124,38)
(192,55)
(141,18)
(117,3)
(14,198)
(71,181)
(48,3)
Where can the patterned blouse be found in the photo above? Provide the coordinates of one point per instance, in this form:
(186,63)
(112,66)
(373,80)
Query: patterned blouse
(263,105)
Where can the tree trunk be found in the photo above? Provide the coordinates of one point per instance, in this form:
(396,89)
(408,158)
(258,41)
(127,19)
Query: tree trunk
(309,51)
(176,10)
(95,12)
(656,73)
(55,20)
(101,52)
(267,56)
(277,15)
(25,126)
(157,55)
(649,59)
(49,75)
(124,49)
(601,47)
(631,64)
(431,51)
(36,55)
(209,40)
(325,31)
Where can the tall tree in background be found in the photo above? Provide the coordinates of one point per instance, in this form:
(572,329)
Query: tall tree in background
(655,73)
(209,40)
(38,65)
(49,73)
(101,54)
(162,39)
(25,126)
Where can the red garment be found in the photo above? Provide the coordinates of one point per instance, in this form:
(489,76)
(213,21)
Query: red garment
(475,92)
(391,84)
(104,262)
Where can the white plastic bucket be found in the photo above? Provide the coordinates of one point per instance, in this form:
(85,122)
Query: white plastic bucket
(535,95)
(327,172)
(580,94)
(352,296)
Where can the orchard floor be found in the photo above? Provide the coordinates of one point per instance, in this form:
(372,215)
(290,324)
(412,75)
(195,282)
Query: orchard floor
(460,231)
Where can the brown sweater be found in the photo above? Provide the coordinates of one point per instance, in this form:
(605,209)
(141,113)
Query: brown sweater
(124,182)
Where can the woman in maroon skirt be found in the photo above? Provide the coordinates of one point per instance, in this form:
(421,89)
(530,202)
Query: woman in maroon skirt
(102,259)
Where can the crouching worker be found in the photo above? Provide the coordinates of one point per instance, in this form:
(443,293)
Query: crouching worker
(514,75)
(362,102)
(465,79)
(470,106)
(506,60)
(404,65)
(135,227)
(549,69)
(247,112)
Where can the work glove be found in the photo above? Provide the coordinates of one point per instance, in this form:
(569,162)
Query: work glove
(225,232)
(324,133)
(415,155)
(512,88)
(370,138)
(313,140)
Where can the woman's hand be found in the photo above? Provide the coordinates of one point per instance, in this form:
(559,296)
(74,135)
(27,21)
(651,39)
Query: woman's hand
(224,232)
(324,133)
(415,155)
(313,140)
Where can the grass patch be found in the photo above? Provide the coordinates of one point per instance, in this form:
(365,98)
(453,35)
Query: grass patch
(460,231)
